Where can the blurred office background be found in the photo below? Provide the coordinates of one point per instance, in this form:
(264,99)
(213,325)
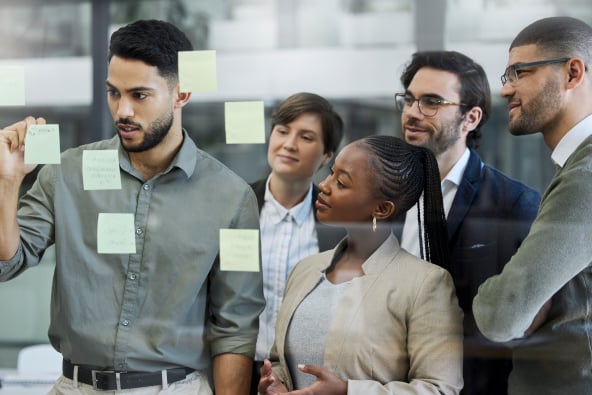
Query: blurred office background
(350,51)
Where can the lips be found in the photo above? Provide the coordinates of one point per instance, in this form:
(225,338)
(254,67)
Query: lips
(412,132)
(513,105)
(320,204)
(287,159)
(127,130)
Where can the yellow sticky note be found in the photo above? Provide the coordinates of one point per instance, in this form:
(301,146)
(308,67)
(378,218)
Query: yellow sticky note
(12,86)
(100,169)
(197,71)
(239,250)
(244,122)
(42,144)
(115,233)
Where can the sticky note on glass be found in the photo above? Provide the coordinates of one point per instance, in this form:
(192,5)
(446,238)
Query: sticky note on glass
(197,71)
(244,122)
(100,169)
(42,144)
(239,250)
(115,233)
(12,86)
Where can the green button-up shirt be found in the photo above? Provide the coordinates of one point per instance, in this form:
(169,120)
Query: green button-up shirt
(166,305)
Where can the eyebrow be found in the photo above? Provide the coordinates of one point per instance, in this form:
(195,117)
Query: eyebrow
(432,94)
(296,129)
(341,171)
(131,90)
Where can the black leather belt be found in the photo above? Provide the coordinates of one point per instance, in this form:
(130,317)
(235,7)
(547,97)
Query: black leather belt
(111,380)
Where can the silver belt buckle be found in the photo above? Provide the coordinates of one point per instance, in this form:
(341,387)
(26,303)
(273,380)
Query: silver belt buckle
(93,374)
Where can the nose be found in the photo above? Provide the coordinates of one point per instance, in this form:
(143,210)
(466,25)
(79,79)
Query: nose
(125,109)
(507,90)
(324,185)
(413,110)
(290,142)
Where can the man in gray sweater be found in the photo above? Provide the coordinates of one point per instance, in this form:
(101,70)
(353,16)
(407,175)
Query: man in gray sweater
(543,297)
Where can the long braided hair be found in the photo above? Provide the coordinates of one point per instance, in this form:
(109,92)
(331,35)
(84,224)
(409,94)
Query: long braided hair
(403,172)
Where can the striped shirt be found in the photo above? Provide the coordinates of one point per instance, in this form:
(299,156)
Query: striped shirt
(287,236)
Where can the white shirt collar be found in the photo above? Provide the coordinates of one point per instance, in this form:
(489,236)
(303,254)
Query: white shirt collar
(455,174)
(574,137)
(299,212)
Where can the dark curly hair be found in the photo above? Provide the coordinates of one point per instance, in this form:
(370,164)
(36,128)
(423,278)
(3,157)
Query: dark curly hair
(474,86)
(154,42)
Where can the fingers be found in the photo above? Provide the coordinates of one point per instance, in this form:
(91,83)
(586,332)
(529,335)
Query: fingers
(266,368)
(15,133)
(264,383)
(311,369)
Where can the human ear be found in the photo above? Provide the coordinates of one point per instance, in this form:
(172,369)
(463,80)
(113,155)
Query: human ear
(328,157)
(472,119)
(181,98)
(384,209)
(576,71)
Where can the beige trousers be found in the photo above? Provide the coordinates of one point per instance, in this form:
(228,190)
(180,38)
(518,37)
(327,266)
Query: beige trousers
(193,384)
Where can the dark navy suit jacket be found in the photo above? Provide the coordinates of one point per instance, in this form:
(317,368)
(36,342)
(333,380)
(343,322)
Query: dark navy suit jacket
(490,216)
(328,236)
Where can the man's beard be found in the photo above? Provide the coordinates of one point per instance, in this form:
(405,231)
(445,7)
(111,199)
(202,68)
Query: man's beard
(535,115)
(155,133)
(448,136)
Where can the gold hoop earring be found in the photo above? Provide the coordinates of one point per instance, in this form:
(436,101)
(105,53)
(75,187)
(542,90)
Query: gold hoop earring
(373,224)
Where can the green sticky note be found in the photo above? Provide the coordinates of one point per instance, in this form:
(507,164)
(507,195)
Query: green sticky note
(115,233)
(100,169)
(12,86)
(239,250)
(244,122)
(42,144)
(197,71)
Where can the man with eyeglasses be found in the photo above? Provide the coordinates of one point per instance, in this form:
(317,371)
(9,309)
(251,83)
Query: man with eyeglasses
(543,297)
(445,103)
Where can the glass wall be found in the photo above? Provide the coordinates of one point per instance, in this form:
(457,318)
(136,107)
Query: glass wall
(350,51)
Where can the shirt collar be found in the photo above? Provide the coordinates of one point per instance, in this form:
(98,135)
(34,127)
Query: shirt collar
(455,174)
(574,137)
(299,212)
(185,159)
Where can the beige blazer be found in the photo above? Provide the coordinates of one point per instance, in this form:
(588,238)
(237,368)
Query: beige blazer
(397,328)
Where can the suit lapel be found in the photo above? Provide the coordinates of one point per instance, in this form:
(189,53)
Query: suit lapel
(353,303)
(466,193)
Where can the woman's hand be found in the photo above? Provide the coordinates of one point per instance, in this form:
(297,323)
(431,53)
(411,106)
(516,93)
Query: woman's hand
(270,384)
(327,383)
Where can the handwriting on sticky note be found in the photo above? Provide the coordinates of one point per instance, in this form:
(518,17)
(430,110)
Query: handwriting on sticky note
(197,71)
(115,233)
(42,144)
(239,250)
(100,169)
(244,122)
(12,86)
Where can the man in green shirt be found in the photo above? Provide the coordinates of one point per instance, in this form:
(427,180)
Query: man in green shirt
(164,315)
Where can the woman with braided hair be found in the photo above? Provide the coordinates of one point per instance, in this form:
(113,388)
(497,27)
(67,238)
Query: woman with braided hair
(368,317)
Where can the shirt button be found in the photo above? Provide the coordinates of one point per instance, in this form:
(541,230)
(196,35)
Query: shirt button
(132,276)
(146,187)
(138,231)
(125,322)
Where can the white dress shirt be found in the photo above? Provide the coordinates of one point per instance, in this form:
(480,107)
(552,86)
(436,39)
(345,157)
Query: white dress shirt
(568,144)
(450,183)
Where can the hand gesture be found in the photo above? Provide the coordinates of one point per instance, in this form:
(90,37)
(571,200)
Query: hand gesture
(270,384)
(12,142)
(327,383)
